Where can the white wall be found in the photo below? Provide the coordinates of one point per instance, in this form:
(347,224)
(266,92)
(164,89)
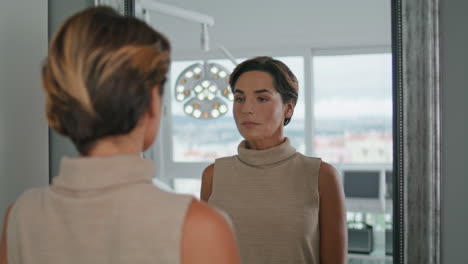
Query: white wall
(23,128)
(454,92)
(257,24)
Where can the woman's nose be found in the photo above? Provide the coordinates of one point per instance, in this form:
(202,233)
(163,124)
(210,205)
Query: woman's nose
(248,107)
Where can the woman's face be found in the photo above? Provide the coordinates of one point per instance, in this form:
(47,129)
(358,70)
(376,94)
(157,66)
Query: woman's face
(258,109)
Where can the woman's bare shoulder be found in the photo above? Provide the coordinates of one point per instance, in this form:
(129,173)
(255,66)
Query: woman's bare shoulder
(207,183)
(208,173)
(329,176)
(207,236)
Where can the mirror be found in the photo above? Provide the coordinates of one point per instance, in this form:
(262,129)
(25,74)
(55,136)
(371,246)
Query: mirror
(344,113)
(323,43)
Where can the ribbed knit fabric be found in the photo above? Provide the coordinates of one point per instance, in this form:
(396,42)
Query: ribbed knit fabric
(98,210)
(272,198)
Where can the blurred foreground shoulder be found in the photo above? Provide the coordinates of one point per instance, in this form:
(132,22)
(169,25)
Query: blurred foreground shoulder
(207,237)
(3,239)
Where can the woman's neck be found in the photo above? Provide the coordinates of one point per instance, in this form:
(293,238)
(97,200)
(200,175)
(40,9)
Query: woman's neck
(109,149)
(264,143)
(129,144)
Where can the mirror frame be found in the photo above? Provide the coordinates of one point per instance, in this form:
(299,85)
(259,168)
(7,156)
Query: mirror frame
(416,128)
(417,131)
(125,7)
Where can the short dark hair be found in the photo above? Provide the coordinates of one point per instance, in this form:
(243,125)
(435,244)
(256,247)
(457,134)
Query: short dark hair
(284,80)
(100,73)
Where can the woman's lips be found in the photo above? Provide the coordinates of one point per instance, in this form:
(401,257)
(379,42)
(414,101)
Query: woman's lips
(249,124)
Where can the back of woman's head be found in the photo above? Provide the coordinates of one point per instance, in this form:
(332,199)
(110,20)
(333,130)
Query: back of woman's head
(99,75)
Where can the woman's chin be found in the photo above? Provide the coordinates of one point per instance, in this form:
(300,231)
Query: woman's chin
(249,136)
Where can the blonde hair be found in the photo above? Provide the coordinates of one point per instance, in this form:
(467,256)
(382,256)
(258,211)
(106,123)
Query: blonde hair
(99,74)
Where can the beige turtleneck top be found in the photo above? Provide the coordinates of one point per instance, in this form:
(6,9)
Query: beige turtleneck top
(272,198)
(98,210)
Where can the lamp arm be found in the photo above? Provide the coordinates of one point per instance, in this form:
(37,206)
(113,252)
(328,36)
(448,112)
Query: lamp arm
(228,55)
(176,11)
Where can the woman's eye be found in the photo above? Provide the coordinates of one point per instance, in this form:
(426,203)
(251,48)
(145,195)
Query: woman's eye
(261,99)
(238,99)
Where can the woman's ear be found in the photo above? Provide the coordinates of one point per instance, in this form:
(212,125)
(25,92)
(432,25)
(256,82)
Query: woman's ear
(289,109)
(155,104)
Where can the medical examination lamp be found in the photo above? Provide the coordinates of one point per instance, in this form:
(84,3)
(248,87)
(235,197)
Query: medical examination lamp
(203,88)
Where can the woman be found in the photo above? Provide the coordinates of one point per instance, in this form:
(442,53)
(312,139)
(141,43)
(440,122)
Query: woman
(104,79)
(285,207)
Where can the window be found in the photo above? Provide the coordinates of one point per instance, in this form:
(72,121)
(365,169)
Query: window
(353,108)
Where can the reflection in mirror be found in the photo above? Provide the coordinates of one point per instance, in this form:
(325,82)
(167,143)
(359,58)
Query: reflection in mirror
(343,65)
